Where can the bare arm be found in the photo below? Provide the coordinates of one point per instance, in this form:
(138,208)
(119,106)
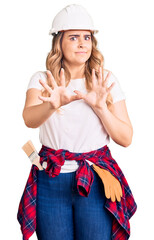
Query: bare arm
(117,123)
(115,119)
(35,112)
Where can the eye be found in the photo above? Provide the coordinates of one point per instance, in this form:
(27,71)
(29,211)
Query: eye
(87,37)
(73,38)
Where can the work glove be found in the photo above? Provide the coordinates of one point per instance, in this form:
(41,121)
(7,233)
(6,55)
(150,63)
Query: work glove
(112,186)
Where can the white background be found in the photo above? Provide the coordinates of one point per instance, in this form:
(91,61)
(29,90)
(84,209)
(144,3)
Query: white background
(126,40)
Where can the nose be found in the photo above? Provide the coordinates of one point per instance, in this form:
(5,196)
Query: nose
(81,42)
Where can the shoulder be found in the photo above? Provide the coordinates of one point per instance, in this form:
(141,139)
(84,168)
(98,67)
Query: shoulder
(34,80)
(116,92)
(39,74)
(112,76)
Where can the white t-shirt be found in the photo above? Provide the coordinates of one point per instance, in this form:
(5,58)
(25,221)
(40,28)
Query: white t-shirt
(76,128)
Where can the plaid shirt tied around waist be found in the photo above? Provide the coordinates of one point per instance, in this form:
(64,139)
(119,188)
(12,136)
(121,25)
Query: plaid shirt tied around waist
(122,211)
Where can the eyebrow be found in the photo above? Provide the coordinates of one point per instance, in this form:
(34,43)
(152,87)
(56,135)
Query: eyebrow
(77,35)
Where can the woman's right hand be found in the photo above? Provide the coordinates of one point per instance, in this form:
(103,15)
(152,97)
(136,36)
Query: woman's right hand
(58,94)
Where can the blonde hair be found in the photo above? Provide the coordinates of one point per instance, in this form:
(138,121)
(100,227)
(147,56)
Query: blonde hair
(54,63)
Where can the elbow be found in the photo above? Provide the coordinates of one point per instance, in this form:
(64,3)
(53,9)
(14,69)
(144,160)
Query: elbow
(28,124)
(27,121)
(128,143)
(128,139)
(125,141)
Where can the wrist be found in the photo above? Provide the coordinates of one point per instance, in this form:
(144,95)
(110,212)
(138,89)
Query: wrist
(100,110)
(49,107)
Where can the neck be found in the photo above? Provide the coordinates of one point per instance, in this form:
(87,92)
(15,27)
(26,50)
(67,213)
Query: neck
(76,71)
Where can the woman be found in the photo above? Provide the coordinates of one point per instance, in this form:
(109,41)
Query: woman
(77,105)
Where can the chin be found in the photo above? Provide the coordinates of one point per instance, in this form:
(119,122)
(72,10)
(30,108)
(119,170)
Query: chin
(81,61)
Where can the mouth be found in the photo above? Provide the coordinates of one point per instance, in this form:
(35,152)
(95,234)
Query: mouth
(80,52)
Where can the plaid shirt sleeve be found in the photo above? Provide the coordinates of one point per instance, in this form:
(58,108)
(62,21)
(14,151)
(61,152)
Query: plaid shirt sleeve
(27,207)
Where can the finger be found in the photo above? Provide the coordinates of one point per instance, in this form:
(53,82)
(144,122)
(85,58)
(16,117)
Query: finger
(94,81)
(106,79)
(51,78)
(112,195)
(107,190)
(108,75)
(75,97)
(117,193)
(79,94)
(112,85)
(46,86)
(100,76)
(62,77)
(118,197)
(120,190)
(44,99)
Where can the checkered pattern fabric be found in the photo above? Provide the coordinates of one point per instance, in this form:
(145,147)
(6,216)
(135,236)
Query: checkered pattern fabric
(122,211)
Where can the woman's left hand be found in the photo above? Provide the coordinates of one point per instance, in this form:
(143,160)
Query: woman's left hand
(96,97)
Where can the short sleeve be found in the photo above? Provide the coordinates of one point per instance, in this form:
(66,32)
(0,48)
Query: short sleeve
(116,92)
(34,80)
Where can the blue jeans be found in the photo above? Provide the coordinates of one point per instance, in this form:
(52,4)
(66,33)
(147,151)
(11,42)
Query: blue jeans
(63,214)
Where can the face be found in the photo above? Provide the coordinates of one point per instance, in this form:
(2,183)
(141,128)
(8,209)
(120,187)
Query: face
(76,47)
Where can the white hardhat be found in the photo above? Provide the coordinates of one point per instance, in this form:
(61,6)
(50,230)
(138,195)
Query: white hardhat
(72,17)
